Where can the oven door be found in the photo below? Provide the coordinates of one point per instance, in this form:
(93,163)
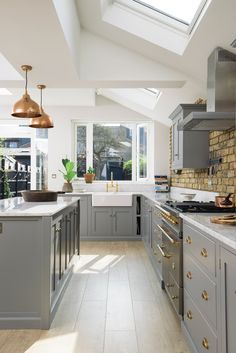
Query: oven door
(172,266)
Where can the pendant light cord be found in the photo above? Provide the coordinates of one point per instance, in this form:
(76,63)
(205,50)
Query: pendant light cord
(26,81)
(41,98)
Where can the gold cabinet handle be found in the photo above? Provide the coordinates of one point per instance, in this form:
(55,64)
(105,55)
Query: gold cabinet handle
(166,234)
(205,343)
(188,240)
(162,252)
(189,315)
(204,252)
(189,275)
(205,295)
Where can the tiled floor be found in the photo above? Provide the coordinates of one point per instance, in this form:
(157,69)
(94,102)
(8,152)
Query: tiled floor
(113,304)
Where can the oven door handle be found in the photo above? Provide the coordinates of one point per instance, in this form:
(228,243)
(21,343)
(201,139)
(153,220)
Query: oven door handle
(162,252)
(167,235)
(162,210)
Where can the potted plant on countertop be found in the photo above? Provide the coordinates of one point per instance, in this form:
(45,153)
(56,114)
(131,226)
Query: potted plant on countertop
(68,175)
(89,176)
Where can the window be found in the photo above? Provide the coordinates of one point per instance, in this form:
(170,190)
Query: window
(183,10)
(118,148)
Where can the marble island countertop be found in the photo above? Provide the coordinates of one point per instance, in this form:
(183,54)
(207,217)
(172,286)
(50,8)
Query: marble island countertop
(17,207)
(224,233)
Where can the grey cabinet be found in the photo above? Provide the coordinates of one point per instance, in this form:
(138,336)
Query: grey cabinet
(200,289)
(190,149)
(228,300)
(146,221)
(85,207)
(36,263)
(102,221)
(112,222)
(123,221)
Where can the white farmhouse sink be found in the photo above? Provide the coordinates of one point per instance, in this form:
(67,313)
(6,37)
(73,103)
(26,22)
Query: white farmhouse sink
(112,199)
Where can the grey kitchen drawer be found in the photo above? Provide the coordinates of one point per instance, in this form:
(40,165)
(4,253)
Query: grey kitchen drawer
(156,215)
(175,293)
(156,232)
(201,288)
(201,247)
(157,257)
(201,333)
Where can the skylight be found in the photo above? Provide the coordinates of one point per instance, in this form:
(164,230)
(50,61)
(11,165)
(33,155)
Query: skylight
(182,10)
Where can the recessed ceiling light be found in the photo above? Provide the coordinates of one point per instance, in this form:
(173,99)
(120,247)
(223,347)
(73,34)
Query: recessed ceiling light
(5,92)
(233,44)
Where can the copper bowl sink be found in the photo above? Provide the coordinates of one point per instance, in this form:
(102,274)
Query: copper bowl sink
(39,195)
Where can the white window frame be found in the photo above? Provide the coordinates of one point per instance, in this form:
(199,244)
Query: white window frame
(89,147)
(165,18)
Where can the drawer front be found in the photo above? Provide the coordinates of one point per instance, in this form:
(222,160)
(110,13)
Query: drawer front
(201,247)
(156,232)
(156,215)
(175,293)
(201,288)
(201,333)
(157,256)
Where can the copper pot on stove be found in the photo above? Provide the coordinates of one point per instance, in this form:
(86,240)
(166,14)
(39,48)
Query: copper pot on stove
(225,201)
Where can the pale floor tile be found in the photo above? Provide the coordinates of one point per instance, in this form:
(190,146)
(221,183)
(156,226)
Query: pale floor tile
(90,327)
(118,270)
(119,307)
(120,342)
(141,290)
(96,288)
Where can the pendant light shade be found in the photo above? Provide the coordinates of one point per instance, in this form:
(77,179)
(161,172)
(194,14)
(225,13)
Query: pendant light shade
(44,121)
(26,107)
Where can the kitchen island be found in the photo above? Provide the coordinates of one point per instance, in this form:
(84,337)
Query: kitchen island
(38,244)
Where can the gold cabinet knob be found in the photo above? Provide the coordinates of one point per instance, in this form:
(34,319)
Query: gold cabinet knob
(205,295)
(189,315)
(189,275)
(188,240)
(174,297)
(168,285)
(205,343)
(204,252)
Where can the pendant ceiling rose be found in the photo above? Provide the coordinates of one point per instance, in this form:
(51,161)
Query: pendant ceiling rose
(44,121)
(26,107)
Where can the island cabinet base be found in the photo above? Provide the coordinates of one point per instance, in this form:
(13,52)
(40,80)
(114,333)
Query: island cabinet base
(36,262)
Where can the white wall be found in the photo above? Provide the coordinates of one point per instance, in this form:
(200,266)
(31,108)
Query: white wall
(61,137)
(161,149)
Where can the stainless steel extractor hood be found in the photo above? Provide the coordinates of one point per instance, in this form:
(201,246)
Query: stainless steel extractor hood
(221,95)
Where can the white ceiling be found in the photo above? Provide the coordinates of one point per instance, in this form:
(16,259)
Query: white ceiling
(87,52)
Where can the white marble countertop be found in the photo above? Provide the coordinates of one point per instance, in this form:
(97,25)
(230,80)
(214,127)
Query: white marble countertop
(224,233)
(153,196)
(17,207)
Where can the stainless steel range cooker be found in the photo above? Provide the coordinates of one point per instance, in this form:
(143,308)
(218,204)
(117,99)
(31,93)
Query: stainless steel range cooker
(171,248)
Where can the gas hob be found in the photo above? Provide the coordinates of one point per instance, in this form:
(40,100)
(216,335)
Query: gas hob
(199,207)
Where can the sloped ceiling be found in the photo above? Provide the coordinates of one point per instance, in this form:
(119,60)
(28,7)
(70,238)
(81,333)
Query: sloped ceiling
(72,48)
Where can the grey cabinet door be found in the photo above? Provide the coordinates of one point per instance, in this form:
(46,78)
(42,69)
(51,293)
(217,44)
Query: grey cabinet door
(84,204)
(146,221)
(123,221)
(228,300)
(177,142)
(102,221)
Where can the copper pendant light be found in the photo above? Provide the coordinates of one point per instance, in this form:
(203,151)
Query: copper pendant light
(44,121)
(26,107)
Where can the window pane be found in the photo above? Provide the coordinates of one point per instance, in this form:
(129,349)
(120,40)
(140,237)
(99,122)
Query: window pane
(112,151)
(142,151)
(81,150)
(182,10)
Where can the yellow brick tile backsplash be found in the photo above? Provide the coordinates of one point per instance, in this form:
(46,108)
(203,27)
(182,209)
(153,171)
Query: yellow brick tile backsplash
(221,144)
